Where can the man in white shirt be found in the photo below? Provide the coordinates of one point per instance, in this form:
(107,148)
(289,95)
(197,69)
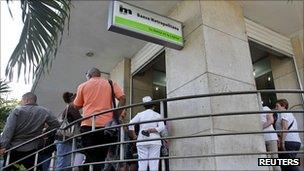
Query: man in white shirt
(270,138)
(148,149)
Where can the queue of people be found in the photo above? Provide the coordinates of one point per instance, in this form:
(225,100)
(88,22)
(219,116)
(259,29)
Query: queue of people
(283,141)
(94,96)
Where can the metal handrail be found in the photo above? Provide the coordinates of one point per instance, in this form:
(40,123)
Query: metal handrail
(164,119)
(31,140)
(186,157)
(186,97)
(168,119)
(182,137)
(175,137)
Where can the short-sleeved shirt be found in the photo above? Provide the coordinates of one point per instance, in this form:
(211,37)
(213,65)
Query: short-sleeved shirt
(95,96)
(268,136)
(290,119)
(148,115)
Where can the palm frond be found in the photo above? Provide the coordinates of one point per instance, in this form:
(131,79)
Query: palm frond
(43,27)
(4,88)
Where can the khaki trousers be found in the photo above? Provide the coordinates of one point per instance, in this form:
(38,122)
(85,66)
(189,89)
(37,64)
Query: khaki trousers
(273,147)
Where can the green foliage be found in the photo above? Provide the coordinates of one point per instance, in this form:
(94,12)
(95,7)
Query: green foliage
(43,22)
(19,167)
(4,88)
(5,105)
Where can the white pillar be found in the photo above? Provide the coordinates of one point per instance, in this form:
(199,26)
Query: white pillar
(215,58)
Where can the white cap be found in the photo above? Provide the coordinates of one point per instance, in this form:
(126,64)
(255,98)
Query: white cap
(146,99)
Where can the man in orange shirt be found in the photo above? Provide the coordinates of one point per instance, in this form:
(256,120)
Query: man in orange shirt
(95,96)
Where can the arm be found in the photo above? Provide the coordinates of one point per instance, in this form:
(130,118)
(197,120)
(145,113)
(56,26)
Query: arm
(78,101)
(51,121)
(132,127)
(73,113)
(134,120)
(120,96)
(270,120)
(132,134)
(122,102)
(75,106)
(8,131)
(283,134)
(160,127)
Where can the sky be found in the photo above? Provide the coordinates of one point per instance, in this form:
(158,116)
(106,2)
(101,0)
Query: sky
(10,33)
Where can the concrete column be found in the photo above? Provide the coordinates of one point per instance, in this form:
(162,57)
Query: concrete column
(298,51)
(121,75)
(215,58)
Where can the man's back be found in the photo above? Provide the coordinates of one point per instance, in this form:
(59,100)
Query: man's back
(95,95)
(25,123)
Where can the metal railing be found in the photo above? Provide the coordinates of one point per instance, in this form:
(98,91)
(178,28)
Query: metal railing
(161,102)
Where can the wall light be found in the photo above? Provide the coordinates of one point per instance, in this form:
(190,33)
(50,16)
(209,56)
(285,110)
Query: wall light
(90,53)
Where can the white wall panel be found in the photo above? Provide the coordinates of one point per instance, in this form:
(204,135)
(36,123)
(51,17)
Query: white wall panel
(274,40)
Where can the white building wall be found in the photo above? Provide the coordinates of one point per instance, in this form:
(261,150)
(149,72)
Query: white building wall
(215,59)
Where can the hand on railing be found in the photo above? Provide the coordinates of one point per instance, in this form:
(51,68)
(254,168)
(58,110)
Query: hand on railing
(2,151)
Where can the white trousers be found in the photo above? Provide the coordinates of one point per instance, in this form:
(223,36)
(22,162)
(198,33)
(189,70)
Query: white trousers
(147,152)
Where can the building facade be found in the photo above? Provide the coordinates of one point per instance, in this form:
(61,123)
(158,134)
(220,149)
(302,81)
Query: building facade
(229,46)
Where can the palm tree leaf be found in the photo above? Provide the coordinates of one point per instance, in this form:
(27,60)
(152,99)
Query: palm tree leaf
(4,88)
(56,6)
(24,8)
(9,10)
(43,26)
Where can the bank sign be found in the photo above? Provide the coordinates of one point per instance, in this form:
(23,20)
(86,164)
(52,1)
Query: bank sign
(146,25)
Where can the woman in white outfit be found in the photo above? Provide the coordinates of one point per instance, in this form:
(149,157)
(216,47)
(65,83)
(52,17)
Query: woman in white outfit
(288,141)
(148,149)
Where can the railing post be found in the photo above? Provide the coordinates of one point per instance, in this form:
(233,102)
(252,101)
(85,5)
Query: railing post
(91,167)
(122,138)
(162,109)
(93,123)
(53,161)
(260,101)
(162,114)
(73,154)
(36,161)
(8,158)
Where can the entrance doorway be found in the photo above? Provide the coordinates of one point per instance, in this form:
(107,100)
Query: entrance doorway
(272,70)
(150,81)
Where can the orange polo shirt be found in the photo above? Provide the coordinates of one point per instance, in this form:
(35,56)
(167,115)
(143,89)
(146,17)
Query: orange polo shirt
(95,96)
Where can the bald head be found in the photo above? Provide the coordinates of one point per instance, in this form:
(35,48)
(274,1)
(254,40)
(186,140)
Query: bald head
(94,72)
(29,98)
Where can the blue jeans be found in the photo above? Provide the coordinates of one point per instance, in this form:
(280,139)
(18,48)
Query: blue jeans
(63,161)
(46,159)
(290,146)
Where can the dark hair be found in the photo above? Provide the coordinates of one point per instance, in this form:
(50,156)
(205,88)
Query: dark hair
(149,106)
(68,97)
(283,103)
(31,96)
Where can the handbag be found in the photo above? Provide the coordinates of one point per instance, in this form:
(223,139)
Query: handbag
(113,133)
(63,132)
(164,147)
